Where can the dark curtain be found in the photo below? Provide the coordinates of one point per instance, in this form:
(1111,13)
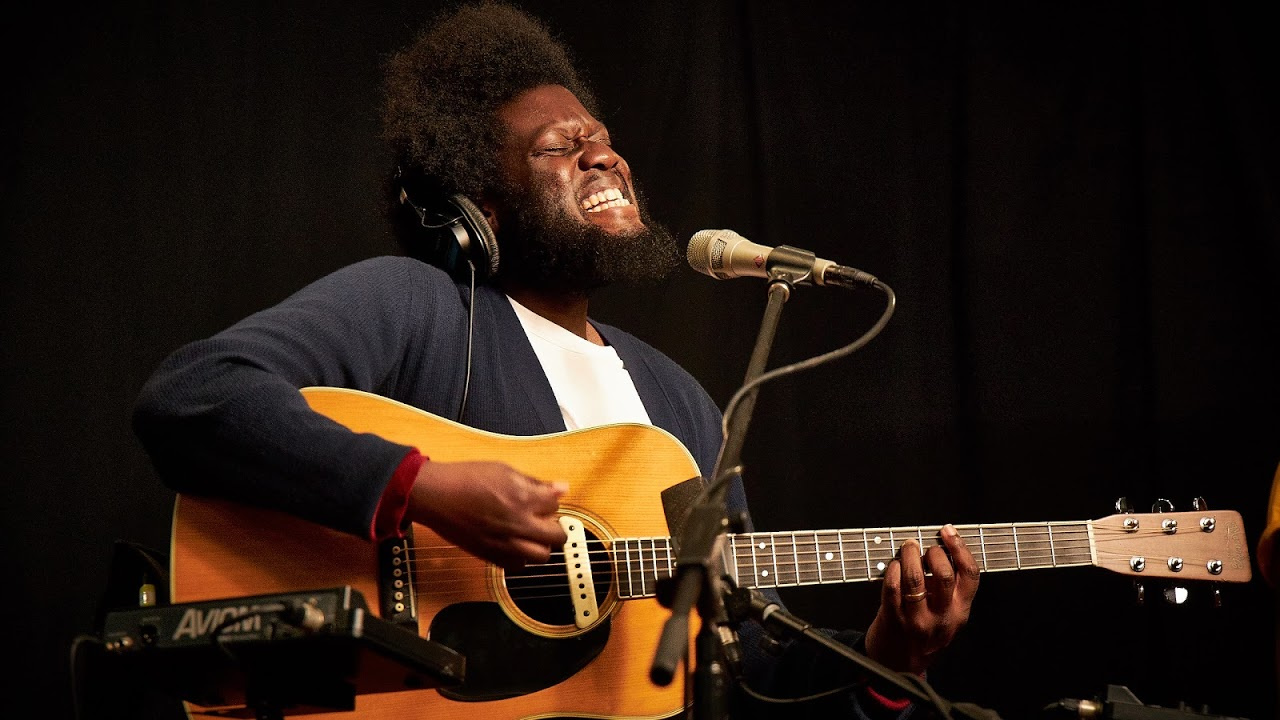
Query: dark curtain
(1076,205)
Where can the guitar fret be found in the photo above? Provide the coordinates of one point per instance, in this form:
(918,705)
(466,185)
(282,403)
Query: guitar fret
(982,538)
(795,556)
(867,550)
(640,565)
(773,553)
(653,549)
(670,570)
(1016,553)
(626,548)
(840,539)
(639,569)
(1053,557)
(737,574)
(815,577)
(755,565)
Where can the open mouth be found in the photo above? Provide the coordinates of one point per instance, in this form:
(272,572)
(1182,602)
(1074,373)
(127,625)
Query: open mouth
(603,200)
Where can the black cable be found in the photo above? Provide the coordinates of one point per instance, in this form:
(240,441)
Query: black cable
(734,401)
(471,324)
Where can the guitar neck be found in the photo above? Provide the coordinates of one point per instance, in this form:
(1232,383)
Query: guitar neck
(818,557)
(813,557)
(1190,546)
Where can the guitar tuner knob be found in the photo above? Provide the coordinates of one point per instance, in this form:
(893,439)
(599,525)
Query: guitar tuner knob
(1175,595)
(1217,597)
(1139,594)
(1198,503)
(1161,506)
(1123,505)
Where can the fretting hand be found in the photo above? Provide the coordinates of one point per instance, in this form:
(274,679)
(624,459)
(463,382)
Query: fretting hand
(920,614)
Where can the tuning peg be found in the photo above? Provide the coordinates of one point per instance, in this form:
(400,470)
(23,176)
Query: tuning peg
(1198,503)
(1123,505)
(1139,594)
(1161,506)
(1175,595)
(1217,597)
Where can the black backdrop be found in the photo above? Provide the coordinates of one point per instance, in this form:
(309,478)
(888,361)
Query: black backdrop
(1076,204)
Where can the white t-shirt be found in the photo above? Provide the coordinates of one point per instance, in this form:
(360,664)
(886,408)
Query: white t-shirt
(589,381)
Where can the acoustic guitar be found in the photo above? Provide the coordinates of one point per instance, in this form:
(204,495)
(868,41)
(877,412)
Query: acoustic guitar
(576,637)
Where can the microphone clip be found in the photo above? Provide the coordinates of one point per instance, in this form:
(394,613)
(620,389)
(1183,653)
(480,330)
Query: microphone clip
(790,266)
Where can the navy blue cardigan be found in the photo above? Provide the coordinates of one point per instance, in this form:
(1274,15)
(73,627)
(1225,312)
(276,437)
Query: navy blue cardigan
(223,416)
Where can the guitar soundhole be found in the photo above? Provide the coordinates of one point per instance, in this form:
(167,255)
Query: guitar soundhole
(542,591)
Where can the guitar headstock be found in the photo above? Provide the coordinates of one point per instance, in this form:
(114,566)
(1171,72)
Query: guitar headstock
(1199,545)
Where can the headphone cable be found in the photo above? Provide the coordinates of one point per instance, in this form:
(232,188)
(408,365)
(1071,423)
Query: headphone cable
(471,323)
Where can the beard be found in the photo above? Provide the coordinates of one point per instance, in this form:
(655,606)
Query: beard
(552,248)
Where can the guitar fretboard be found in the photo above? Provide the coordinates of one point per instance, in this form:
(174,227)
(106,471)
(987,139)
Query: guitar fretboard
(816,557)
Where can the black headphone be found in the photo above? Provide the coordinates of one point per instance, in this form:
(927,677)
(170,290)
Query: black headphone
(457,237)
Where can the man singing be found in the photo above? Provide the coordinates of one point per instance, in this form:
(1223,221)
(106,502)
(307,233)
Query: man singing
(486,106)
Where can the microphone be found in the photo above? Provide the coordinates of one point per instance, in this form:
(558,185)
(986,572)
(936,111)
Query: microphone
(724,254)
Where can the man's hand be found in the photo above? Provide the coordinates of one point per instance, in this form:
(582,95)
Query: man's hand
(920,615)
(489,510)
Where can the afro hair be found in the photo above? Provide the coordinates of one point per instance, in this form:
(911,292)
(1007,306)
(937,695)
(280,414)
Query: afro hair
(441,93)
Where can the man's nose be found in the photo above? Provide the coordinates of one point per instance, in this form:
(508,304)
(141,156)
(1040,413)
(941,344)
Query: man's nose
(597,155)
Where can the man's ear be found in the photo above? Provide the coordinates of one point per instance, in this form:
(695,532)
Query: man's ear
(489,208)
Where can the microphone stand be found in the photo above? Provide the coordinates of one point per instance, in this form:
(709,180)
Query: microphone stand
(750,603)
(698,575)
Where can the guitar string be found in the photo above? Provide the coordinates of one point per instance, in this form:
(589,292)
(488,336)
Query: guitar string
(807,565)
(805,568)
(806,575)
(852,555)
(522,591)
(785,540)
(994,545)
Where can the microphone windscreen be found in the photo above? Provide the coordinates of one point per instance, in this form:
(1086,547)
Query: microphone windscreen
(706,251)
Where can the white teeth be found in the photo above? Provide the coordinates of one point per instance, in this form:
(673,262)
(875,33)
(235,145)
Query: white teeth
(604,199)
(620,202)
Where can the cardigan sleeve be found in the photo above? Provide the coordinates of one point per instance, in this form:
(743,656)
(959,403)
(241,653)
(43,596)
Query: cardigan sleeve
(223,416)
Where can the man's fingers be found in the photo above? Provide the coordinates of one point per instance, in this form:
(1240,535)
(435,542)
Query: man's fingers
(891,589)
(540,498)
(942,578)
(913,586)
(966,566)
(547,532)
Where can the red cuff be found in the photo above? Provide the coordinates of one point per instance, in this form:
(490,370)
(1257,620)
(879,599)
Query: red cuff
(886,703)
(389,516)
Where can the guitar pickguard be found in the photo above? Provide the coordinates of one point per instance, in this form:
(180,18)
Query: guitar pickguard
(505,660)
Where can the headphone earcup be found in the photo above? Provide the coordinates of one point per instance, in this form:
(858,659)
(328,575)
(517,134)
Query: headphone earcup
(480,244)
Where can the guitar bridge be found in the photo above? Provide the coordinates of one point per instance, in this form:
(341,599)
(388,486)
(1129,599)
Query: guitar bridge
(395,582)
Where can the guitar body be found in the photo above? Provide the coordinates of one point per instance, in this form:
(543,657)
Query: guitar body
(615,473)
